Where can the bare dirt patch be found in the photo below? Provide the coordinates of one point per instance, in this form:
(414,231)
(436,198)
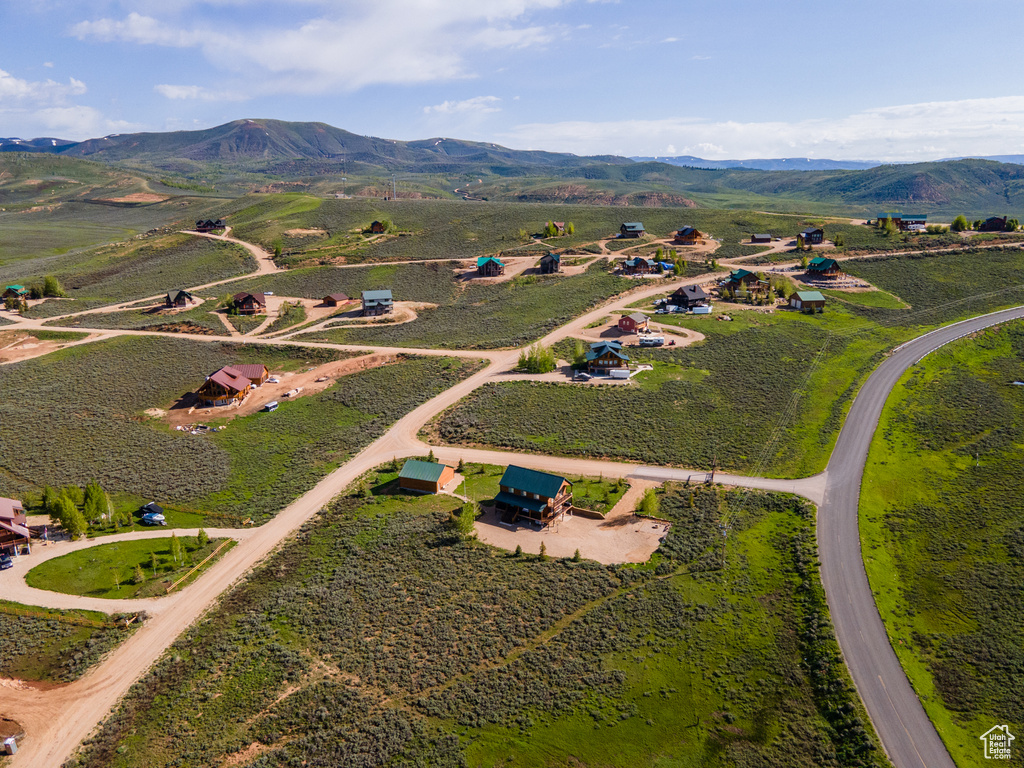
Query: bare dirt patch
(137,197)
(305,232)
(19,345)
(311,382)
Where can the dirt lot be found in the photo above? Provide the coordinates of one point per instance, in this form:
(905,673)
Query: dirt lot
(620,537)
(22,345)
(182,414)
(137,197)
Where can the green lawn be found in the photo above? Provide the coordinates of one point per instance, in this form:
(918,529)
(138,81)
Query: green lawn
(395,638)
(107,570)
(942,525)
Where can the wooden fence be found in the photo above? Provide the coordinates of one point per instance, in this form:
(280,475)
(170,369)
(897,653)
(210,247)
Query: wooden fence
(205,560)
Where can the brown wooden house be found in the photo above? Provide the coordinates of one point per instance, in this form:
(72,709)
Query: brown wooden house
(179,298)
(550,263)
(377,228)
(227,386)
(631,229)
(334,299)
(536,496)
(744,280)
(14,532)
(488,266)
(688,236)
(762,237)
(559,227)
(250,303)
(425,476)
(605,356)
(993,224)
(208,225)
(14,292)
(634,322)
(638,265)
(688,297)
(821,267)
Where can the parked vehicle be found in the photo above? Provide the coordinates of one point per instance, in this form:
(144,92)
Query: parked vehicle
(6,561)
(152,514)
(652,341)
(271,406)
(661,311)
(581,376)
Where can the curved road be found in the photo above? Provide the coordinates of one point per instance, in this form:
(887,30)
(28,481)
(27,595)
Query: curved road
(907,733)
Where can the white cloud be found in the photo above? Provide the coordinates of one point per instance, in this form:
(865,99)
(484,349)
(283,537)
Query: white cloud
(670,40)
(46,91)
(334,46)
(906,132)
(477,105)
(48,64)
(195,93)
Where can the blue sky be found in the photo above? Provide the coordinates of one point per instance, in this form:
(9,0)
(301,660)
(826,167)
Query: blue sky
(873,79)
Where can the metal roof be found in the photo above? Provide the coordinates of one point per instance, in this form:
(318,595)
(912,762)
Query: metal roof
(336,297)
(230,378)
(633,225)
(10,508)
(809,296)
(820,263)
(600,350)
(378,296)
(638,317)
(427,471)
(532,481)
(608,343)
(251,370)
(173,296)
(554,256)
(534,505)
(481,260)
(259,298)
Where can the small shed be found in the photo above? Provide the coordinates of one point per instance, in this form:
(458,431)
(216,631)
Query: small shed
(634,322)
(425,476)
(334,299)
(489,266)
(761,238)
(631,229)
(378,303)
(550,263)
(807,301)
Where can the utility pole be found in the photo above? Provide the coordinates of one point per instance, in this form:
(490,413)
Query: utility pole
(394,192)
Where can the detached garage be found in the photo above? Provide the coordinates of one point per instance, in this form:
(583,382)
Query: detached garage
(807,301)
(424,476)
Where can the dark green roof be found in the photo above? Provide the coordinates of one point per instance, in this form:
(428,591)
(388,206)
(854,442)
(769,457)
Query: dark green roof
(602,349)
(638,260)
(534,505)
(633,225)
(481,260)
(18,288)
(172,296)
(738,274)
(532,481)
(820,263)
(554,256)
(428,471)
(609,343)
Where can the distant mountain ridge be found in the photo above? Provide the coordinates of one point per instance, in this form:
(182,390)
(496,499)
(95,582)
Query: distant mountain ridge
(765,164)
(243,154)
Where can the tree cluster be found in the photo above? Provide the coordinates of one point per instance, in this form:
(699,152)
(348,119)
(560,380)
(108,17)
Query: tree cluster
(75,509)
(537,359)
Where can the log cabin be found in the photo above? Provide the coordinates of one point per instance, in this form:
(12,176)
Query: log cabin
(536,496)
(550,263)
(179,298)
(250,303)
(334,299)
(689,236)
(227,386)
(821,267)
(688,297)
(631,229)
(604,356)
(488,266)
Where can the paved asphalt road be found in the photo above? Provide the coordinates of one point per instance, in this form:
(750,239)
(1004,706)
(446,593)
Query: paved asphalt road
(906,732)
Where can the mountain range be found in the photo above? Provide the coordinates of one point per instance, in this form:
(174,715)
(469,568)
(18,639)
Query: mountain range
(244,155)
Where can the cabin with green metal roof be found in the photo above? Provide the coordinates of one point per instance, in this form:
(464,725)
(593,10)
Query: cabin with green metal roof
(550,263)
(378,303)
(631,229)
(536,496)
(745,280)
(15,292)
(488,266)
(821,266)
(424,476)
(605,356)
(807,301)
(638,265)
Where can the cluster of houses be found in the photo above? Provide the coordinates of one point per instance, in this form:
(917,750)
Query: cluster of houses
(685,235)
(15,536)
(523,494)
(231,384)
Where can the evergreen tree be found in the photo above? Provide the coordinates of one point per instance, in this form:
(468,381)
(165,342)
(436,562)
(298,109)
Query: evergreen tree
(543,551)
(71,519)
(576,557)
(138,577)
(96,506)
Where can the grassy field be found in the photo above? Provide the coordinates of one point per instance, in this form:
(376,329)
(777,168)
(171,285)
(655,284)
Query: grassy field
(382,637)
(107,570)
(140,268)
(942,524)
(509,314)
(440,229)
(55,646)
(196,320)
(94,408)
(768,393)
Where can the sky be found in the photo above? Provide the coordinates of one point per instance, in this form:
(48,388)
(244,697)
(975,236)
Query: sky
(889,80)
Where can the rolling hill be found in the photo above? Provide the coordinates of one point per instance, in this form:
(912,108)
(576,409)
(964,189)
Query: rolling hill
(274,155)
